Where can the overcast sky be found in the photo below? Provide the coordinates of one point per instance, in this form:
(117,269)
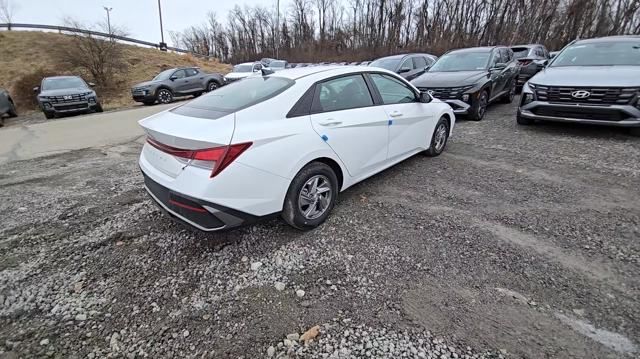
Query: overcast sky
(138,17)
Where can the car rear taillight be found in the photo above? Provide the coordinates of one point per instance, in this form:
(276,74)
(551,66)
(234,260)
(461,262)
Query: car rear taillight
(524,62)
(216,158)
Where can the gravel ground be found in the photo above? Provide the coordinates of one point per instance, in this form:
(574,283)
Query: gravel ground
(517,242)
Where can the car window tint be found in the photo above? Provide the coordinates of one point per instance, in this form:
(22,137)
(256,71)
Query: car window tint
(257,67)
(179,74)
(392,90)
(419,62)
(407,63)
(344,93)
(192,72)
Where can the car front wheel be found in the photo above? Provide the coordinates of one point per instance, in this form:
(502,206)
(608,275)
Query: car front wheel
(311,196)
(480,107)
(439,138)
(165,96)
(212,86)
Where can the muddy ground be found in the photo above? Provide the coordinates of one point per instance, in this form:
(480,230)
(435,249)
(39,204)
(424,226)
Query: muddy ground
(517,242)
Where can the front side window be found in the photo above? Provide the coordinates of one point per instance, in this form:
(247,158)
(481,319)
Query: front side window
(392,90)
(63,83)
(180,74)
(610,53)
(419,62)
(343,93)
(240,94)
(462,61)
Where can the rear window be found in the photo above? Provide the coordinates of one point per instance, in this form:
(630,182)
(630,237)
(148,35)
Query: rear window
(520,52)
(240,94)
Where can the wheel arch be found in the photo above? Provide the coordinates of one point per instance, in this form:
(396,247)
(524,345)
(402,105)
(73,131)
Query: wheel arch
(164,87)
(327,158)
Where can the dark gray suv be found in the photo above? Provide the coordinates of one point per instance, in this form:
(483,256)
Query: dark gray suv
(61,95)
(594,81)
(176,82)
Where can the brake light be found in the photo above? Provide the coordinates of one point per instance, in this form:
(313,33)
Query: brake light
(524,62)
(216,158)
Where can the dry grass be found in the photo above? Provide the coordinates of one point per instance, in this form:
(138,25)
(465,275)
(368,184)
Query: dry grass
(24,53)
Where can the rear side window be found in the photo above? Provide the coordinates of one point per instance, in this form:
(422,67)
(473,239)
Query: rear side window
(392,90)
(341,94)
(191,72)
(240,94)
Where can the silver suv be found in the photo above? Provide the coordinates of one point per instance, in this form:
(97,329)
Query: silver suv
(594,81)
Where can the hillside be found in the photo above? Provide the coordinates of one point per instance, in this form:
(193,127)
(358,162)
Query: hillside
(25,56)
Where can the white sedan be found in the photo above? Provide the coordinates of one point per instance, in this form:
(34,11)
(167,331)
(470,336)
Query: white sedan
(285,142)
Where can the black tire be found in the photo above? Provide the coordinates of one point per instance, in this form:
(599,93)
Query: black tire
(634,131)
(49,115)
(197,94)
(12,110)
(212,85)
(479,108)
(293,209)
(509,96)
(438,143)
(523,120)
(98,108)
(164,96)
(149,103)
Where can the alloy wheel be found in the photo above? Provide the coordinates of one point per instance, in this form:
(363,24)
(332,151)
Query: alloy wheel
(440,137)
(164,96)
(315,197)
(212,86)
(482,104)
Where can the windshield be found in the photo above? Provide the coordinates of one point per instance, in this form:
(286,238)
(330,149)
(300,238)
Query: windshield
(164,75)
(600,54)
(63,83)
(389,64)
(243,68)
(520,52)
(278,64)
(462,61)
(241,94)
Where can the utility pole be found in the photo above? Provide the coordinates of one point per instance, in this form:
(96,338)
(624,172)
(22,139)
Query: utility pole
(277,26)
(163,45)
(108,10)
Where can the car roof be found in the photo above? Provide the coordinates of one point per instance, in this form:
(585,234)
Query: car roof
(527,45)
(476,49)
(629,38)
(325,71)
(400,56)
(61,77)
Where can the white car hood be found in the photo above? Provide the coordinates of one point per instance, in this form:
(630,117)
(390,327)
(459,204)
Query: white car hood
(587,76)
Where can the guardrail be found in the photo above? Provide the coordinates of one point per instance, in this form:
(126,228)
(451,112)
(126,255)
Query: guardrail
(10,26)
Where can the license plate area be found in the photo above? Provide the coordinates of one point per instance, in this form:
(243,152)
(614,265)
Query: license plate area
(163,162)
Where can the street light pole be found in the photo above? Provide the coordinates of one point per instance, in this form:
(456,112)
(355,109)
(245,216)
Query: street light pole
(108,10)
(163,45)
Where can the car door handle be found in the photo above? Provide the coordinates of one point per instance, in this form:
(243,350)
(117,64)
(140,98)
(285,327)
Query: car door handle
(395,114)
(330,123)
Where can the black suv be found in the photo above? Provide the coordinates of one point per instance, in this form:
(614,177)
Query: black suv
(60,95)
(469,79)
(408,66)
(595,81)
(532,59)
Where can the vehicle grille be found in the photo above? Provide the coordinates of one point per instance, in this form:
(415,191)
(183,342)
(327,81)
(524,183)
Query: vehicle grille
(583,113)
(77,106)
(445,93)
(598,95)
(67,98)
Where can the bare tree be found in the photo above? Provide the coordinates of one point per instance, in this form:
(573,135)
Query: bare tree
(99,57)
(7,11)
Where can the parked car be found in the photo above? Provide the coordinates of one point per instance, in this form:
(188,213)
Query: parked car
(365,63)
(408,66)
(182,81)
(61,95)
(470,79)
(531,58)
(277,65)
(243,70)
(7,106)
(218,162)
(594,81)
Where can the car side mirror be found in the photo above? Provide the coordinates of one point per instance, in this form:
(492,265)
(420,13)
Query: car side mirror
(92,84)
(36,89)
(552,55)
(426,68)
(425,97)
(403,70)
(173,78)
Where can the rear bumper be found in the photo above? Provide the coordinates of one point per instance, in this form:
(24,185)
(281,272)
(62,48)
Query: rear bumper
(202,215)
(611,115)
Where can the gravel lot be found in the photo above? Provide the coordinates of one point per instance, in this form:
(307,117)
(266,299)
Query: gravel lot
(517,242)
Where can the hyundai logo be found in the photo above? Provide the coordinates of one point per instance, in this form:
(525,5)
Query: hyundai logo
(580,94)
